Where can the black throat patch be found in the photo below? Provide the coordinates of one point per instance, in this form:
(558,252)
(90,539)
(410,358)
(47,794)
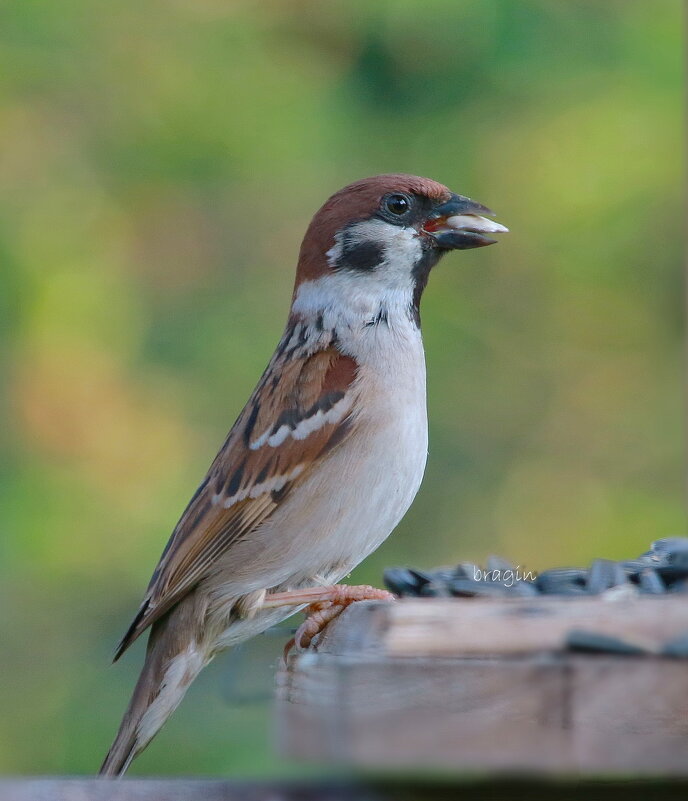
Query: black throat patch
(421,272)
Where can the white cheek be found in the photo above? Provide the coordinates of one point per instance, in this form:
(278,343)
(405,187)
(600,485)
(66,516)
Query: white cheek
(401,249)
(403,252)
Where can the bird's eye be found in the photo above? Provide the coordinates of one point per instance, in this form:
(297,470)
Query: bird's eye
(397,204)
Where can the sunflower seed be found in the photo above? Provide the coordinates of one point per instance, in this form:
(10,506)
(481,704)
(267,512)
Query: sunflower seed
(402,581)
(650,582)
(562,581)
(604,574)
(678,647)
(595,643)
(484,589)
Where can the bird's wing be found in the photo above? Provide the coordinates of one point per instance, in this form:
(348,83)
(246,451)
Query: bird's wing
(300,410)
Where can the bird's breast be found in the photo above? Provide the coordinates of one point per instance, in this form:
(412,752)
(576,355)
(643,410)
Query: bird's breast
(351,504)
(354,499)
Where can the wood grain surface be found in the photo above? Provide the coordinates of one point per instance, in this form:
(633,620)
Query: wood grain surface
(469,686)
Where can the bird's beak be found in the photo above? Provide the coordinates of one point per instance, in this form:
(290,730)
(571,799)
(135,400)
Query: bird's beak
(460,224)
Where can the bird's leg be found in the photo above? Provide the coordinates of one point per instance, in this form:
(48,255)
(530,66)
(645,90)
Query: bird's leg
(340,594)
(324,604)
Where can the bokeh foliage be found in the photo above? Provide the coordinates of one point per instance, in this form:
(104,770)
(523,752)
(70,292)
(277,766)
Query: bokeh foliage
(159,162)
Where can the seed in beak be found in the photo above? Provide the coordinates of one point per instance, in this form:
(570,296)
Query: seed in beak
(474,223)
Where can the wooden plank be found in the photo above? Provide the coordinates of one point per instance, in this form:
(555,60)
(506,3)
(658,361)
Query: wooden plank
(592,716)
(182,789)
(381,713)
(474,686)
(453,627)
(91,789)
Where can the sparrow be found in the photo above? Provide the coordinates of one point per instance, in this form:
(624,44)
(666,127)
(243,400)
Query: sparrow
(326,456)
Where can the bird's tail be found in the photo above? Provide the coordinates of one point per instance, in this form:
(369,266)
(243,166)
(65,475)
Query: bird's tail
(172,662)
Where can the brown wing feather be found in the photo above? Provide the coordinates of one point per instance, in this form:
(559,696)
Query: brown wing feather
(250,477)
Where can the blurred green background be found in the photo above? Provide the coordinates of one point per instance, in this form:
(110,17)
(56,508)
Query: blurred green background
(159,162)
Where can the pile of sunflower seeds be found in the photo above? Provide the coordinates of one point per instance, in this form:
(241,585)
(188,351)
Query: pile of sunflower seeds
(662,569)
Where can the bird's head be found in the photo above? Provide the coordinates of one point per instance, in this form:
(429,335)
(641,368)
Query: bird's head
(382,236)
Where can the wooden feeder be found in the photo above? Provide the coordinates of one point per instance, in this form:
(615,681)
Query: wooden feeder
(476,686)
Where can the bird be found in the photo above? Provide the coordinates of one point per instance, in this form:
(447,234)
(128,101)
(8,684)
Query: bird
(326,456)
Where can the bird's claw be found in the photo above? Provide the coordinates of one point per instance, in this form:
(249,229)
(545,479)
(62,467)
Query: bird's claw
(326,604)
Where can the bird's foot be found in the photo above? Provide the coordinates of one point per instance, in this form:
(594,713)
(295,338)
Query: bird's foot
(324,605)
